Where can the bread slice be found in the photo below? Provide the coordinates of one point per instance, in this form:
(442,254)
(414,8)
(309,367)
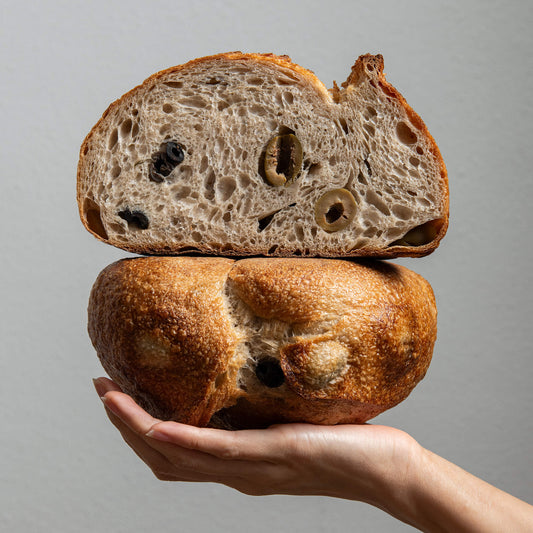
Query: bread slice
(248,154)
(249,343)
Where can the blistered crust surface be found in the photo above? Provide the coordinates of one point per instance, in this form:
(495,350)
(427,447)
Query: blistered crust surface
(185,337)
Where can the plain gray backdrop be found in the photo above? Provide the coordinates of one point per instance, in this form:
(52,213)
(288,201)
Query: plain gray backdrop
(464,66)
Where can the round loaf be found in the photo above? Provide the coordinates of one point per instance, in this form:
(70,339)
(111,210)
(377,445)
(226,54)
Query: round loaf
(245,344)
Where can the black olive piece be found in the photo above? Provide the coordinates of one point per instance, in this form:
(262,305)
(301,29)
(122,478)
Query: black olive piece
(136,219)
(175,152)
(165,161)
(269,373)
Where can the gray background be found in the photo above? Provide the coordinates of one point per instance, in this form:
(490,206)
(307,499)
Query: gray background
(466,68)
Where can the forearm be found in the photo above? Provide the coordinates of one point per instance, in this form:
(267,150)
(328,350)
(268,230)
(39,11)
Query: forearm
(441,497)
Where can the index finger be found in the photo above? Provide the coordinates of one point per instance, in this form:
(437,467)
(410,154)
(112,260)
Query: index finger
(249,444)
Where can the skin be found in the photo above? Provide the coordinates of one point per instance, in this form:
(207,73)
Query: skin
(380,465)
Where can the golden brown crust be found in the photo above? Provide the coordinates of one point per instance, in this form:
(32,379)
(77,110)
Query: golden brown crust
(366,65)
(144,321)
(359,337)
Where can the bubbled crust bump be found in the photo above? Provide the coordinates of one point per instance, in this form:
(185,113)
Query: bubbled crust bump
(378,346)
(162,333)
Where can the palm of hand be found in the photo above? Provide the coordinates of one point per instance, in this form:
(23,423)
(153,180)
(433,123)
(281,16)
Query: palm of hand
(350,461)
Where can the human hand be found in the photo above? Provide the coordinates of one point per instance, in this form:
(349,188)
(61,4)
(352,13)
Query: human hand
(360,462)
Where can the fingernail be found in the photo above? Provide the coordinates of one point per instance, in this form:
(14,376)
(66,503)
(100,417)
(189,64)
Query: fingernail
(99,386)
(158,435)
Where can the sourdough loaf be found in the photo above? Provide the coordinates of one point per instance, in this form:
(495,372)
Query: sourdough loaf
(248,154)
(244,344)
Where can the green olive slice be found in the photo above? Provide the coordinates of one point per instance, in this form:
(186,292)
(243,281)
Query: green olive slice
(283,159)
(335,210)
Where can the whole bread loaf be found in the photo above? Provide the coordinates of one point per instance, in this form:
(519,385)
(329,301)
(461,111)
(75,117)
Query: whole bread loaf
(249,343)
(249,154)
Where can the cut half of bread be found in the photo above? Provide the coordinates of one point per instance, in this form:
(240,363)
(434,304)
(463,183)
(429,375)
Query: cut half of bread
(250,154)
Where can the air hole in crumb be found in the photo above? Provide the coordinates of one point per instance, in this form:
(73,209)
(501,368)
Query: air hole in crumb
(226,187)
(265,221)
(423,201)
(196,236)
(368,167)
(255,81)
(272,249)
(183,192)
(414,161)
(227,216)
(167,108)
(196,102)
(209,185)
(244,181)
(405,134)
(125,127)
(113,139)
(402,212)
(135,130)
(222,105)
(361,179)
(115,171)
(370,113)
(314,169)
(288,97)
(344,125)
(419,150)
(370,129)
(94,220)
(174,84)
(373,199)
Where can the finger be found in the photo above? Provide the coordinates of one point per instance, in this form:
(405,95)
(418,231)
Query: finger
(193,463)
(265,445)
(125,408)
(154,459)
(103,385)
(162,468)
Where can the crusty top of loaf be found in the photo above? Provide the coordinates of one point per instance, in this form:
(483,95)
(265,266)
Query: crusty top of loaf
(223,110)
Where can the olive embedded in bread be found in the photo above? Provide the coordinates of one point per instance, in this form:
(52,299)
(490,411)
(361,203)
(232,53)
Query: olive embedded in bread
(335,210)
(249,343)
(233,138)
(283,159)
(165,160)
